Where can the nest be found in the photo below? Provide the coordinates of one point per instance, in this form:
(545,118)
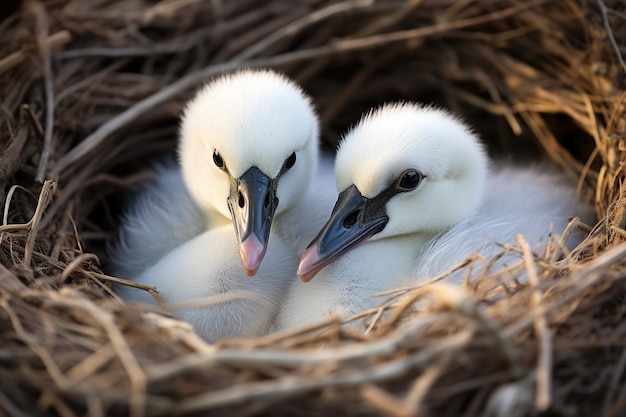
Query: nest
(92,90)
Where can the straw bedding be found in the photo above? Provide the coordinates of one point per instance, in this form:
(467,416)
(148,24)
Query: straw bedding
(92,90)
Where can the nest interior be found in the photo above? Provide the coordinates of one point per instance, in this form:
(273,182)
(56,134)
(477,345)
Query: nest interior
(92,90)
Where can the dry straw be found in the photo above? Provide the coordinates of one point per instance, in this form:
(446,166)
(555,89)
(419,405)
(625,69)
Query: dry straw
(91,90)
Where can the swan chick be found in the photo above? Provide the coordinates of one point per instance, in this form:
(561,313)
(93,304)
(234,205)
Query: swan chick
(416,198)
(248,148)
(404,170)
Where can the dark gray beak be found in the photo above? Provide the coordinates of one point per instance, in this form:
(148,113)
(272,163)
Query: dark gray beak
(252,203)
(354,219)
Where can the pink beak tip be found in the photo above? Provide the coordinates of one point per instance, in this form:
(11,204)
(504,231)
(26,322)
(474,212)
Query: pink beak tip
(252,252)
(309,264)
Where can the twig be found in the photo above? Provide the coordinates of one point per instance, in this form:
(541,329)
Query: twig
(297,26)
(384,402)
(53,43)
(544,363)
(609,32)
(6,227)
(45,196)
(127,282)
(37,9)
(217,299)
(172,47)
(90,364)
(75,264)
(165,7)
(574,225)
(291,334)
(152,290)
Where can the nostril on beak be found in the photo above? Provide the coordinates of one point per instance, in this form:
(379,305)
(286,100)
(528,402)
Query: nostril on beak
(351,219)
(242,200)
(266,202)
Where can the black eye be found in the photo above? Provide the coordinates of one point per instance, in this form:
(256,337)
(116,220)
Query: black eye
(218,159)
(409,180)
(291,161)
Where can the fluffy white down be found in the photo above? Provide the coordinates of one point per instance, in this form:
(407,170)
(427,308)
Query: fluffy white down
(532,201)
(209,265)
(161,216)
(461,209)
(299,225)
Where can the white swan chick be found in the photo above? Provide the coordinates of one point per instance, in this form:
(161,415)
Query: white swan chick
(416,199)
(248,149)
